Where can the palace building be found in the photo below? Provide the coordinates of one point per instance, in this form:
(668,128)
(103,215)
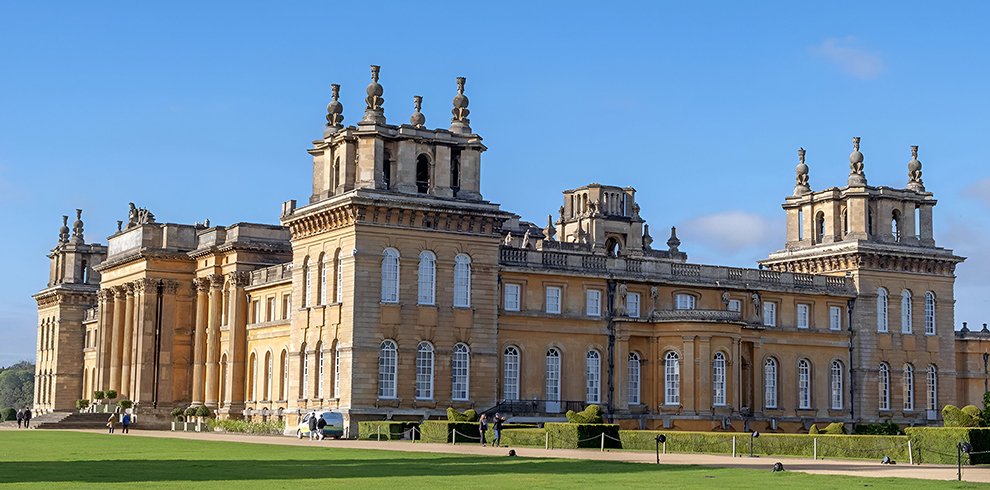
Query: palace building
(396,290)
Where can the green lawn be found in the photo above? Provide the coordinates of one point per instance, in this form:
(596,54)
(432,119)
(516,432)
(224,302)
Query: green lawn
(55,459)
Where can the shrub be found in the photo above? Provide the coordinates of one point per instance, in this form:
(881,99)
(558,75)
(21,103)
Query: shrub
(177,412)
(836,429)
(469,415)
(953,416)
(190,412)
(813,430)
(938,444)
(125,404)
(270,427)
(829,446)
(203,411)
(110,394)
(8,414)
(571,436)
(388,429)
(885,429)
(99,395)
(81,404)
(592,414)
(443,430)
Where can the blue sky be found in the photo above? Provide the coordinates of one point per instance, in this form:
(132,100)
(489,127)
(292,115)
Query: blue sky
(204,110)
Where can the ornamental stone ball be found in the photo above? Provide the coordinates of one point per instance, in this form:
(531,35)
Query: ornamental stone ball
(801,187)
(460,122)
(856,175)
(914,172)
(373,112)
(335,111)
(63,232)
(417,118)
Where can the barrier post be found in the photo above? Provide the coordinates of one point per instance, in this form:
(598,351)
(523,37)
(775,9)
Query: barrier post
(379,431)
(815,453)
(910,453)
(733,446)
(664,448)
(547,443)
(603,442)
(453,437)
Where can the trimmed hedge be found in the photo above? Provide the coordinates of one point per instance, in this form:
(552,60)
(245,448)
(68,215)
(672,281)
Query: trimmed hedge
(938,444)
(530,437)
(442,431)
(572,436)
(829,446)
(390,430)
(271,427)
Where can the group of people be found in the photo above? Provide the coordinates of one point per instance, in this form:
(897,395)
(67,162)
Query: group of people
(496,422)
(125,423)
(24,418)
(316,425)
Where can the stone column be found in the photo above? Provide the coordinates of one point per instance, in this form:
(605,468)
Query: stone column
(117,338)
(688,373)
(213,340)
(237,367)
(126,358)
(104,337)
(759,390)
(199,343)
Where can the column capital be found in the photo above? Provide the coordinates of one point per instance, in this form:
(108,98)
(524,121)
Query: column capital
(239,279)
(119,292)
(201,284)
(216,281)
(171,286)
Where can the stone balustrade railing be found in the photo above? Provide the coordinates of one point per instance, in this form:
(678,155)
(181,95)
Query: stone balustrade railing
(696,315)
(271,274)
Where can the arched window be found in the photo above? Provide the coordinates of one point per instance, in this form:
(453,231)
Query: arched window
(672,379)
(387,362)
(836,385)
(510,373)
(820,227)
(684,301)
(804,384)
(907,382)
(770,383)
(323,278)
(906,316)
(462,281)
(929,313)
(423,183)
(461,370)
(336,370)
(320,358)
(845,221)
(390,276)
(339,283)
(252,377)
(307,284)
(718,380)
(895,225)
(424,371)
(883,386)
(932,387)
(268,376)
(427,277)
(283,392)
(882,307)
(304,386)
(553,376)
(593,377)
(633,375)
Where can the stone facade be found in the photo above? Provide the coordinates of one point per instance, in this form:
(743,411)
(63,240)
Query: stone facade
(397,291)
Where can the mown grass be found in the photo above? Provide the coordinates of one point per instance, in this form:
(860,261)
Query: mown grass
(57,459)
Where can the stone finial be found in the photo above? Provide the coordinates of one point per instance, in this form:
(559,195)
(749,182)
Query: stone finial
(647,239)
(914,172)
(77,228)
(120,225)
(373,112)
(417,118)
(801,187)
(673,242)
(460,122)
(550,231)
(856,175)
(63,232)
(965,328)
(335,111)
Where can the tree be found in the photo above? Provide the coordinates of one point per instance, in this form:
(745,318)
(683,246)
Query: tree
(17,385)
(985,415)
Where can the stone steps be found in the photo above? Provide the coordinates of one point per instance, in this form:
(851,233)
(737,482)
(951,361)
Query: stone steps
(75,420)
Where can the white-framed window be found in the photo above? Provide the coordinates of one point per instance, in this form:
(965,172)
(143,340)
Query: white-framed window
(284,392)
(286,306)
(424,371)
(340,279)
(804,384)
(906,314)
(929,313)
(593,302)
(553,299)
(307,283)
(427,278)
(632,305)
(684,301)
(836,385)
(324,266)
(907,382)
(387,363)
(718,380)
(462,281)
(672,379)
(461,371)
(304,389)
(770,383)
(882,309)
(510,373)
(633,374)
(254,376)
(803,315)
(390,275)
(336,372)
(769,314)
(593,377)
(883,386)
(320,358)
(269,376)
(932,387)
(734,305)
(270,309)
(835,318)
(553,375)
(512,294)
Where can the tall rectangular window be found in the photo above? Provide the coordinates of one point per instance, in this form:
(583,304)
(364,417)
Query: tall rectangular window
(340,281)
(286,306)
(769,314)
(593,302)
(803,313)
(553,299)
(269,309)
(256,311)
(632,305)
(336,372)
(512,293)
(834,318)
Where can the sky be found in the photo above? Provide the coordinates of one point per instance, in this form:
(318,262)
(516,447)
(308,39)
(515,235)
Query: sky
(202,110)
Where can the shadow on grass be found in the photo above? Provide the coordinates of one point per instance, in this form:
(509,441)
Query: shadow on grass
(132,470)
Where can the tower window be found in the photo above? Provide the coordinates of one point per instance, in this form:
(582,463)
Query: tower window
(387,171)
(422,174)
(895,225)
(820,227)
(455,171)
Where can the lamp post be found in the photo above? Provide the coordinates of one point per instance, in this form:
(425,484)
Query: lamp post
(752,435)
(986,357)
(660,440)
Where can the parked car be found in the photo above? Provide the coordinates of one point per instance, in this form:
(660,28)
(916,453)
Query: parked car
(334,427)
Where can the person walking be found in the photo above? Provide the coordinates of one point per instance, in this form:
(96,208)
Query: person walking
(125,423)
(320,424)
(312,425)
(27,417)
(111,422)
(20,418)
(482,428)
(497,427)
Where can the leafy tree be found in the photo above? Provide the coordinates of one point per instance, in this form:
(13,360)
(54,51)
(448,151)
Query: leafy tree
(17,385)
(985,416)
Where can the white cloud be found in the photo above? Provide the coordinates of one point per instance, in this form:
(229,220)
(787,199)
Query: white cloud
(850,58)
(731,231)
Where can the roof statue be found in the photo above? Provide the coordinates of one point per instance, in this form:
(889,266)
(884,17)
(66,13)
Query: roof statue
(460,122)
(417,118)
(801,187)
(856,175)
(914,172)
(673,242)
(647,239)
(138,216)
(373,112)
(335,111)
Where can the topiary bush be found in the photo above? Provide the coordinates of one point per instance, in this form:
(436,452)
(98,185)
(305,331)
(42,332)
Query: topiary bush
(968,416)
(531,437)
(110,394)
(125,404)
(592,414)
(99,395)
(190,412)
(203,411)
(469,415)
(572,436)
(938,444)
(177,413)
(836,429)
(81,404)
(813,430)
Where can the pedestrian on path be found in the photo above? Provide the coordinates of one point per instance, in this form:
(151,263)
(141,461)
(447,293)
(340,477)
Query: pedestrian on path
(111,422)
(320,424)
(125,423)
(482,428)
(312,425)
(27,417)
(20,418)
(497,427)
